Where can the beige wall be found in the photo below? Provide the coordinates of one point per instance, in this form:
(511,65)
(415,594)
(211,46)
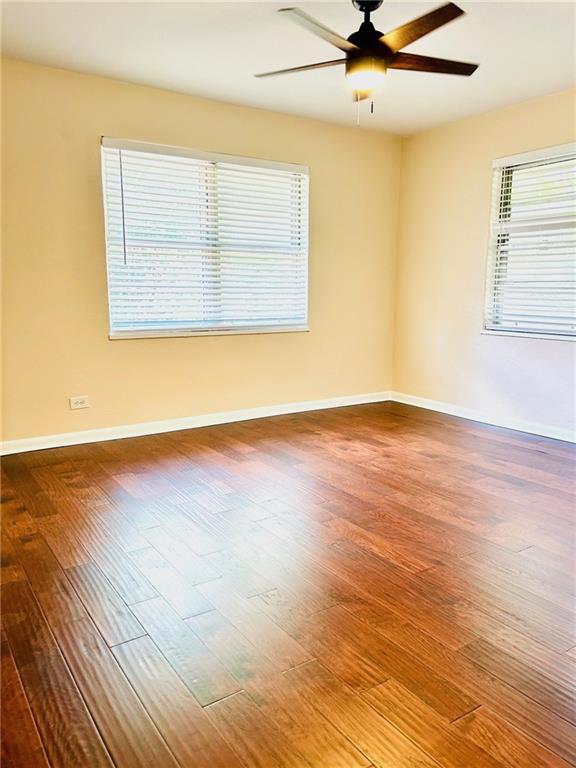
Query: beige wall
(55,308)
(415,328)
(440,352)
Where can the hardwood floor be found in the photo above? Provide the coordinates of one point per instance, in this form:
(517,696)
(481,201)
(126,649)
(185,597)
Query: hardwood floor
(369,587)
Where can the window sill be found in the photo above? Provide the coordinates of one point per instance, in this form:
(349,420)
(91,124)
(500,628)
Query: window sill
(528,335)
(180,333)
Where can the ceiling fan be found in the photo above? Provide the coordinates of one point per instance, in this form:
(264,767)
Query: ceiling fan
(369,53)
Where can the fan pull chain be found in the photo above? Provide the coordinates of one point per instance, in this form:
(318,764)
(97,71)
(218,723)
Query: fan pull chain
(358,108)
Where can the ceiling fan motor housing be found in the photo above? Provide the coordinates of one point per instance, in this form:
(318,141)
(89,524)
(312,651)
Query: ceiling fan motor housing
(368,38)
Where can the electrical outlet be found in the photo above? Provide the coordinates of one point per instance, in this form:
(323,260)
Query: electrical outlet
(79,401)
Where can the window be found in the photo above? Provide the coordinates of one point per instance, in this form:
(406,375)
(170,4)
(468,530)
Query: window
(532,260)
(200,243)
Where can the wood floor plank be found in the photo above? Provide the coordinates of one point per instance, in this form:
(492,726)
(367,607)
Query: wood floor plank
(505,743)
(184,725)
(175,551)
(286,608)
(108,611)
(404,556)
(535,720)
(174,588)
(385,621)
(201,671)
(242,578)
(378,739)
(51,586)
(256,738)
(551,596)
(313,592)
(20,742)
(441,539)
(426,727)
(333,587)
(551,560)
(315,737)
(34,498)
(255,625)
(105,519)
(126,728)
(509,605)
(10,566)
(312,735)
(557,666)
(350,581)
(128,581)
(66,547)
(16,520)
(524,568)
(241,658)
(68,733)
(432,687)
(354,664)
(555,693)
(173,518)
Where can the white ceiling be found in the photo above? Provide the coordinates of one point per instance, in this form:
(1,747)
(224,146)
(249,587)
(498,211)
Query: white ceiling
(525,50)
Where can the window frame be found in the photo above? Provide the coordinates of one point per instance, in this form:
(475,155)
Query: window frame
(501,162)
(165,149)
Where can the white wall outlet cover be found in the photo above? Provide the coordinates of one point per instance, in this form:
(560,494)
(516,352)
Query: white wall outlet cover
(79,401)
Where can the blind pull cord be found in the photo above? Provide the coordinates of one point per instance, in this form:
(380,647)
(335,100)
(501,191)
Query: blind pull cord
(122,204)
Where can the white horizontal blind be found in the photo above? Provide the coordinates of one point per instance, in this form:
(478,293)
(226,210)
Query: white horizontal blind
(203,243)
(532,260)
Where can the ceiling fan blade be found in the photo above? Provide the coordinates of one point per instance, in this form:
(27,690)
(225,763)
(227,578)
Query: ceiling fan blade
(304,68)
(408,33)
(302,18)
(431,64)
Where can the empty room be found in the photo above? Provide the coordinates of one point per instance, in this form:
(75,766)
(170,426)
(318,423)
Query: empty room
(288,384)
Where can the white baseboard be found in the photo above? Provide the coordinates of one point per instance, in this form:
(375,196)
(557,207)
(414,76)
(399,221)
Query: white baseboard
(187,422)
(227,417)
(534,428)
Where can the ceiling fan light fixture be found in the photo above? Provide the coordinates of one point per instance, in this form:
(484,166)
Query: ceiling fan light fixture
(365,73)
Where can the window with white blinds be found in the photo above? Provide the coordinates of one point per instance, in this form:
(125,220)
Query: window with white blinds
(532,261)
(200,243)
